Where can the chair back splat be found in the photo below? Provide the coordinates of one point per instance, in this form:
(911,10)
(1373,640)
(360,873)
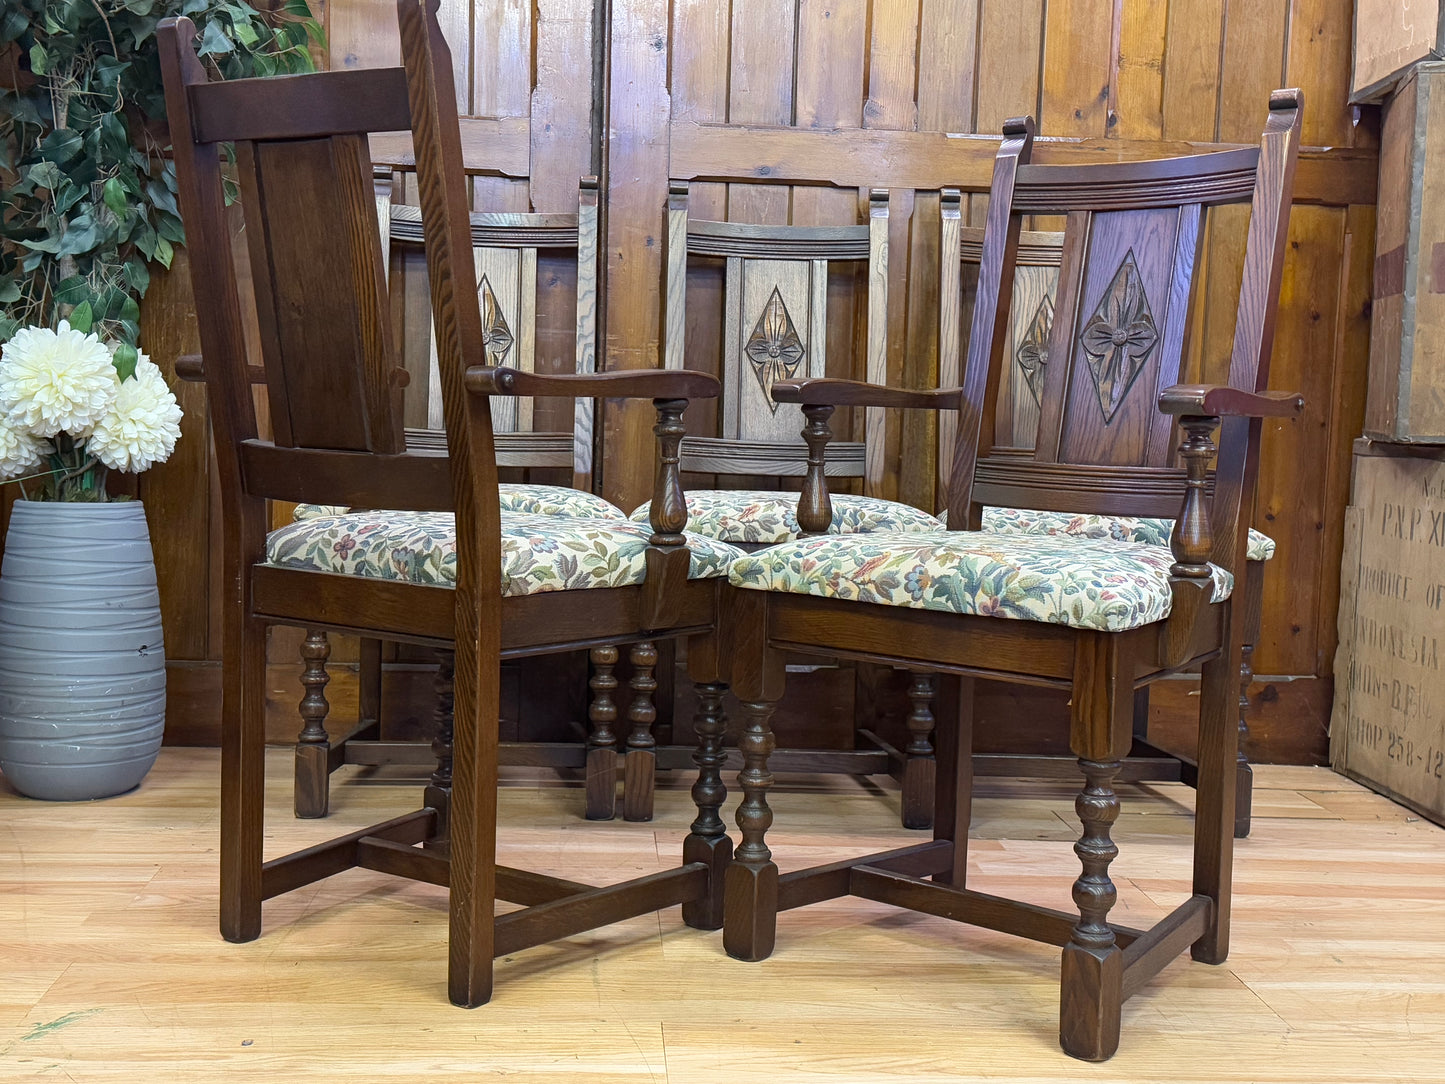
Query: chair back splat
(1117,336)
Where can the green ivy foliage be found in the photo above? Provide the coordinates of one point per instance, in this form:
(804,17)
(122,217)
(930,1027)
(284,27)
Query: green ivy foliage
(87,191)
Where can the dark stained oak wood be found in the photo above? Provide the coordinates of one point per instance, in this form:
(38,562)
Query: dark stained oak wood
(332,387)
(1128,269)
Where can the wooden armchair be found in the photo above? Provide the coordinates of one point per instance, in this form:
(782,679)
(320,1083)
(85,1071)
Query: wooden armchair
(506,247)
(1096,617)
(1022,382)
(495,585)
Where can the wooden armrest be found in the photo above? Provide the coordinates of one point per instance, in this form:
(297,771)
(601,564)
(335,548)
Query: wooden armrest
(1215,400)
(192,368)
(833,392)
(619,384)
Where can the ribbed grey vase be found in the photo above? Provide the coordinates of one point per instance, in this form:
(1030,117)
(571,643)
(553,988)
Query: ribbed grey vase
(82,666)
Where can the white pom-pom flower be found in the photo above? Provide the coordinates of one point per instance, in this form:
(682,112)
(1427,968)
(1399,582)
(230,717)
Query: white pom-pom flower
(55,381)
(142,426)
(19,451)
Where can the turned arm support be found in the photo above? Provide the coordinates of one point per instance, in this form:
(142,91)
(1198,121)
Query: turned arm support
(1199,408)
(669,390)
(819,398)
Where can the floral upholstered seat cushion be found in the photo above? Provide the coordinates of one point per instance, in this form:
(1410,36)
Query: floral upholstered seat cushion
(539,552)
(1086,583)
(745,516)
(1121,528)
(514,497)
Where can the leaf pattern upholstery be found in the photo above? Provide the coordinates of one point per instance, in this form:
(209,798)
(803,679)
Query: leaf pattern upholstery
(767,517)
(1086,583)
(514,497)
(1154,531)
(539,552)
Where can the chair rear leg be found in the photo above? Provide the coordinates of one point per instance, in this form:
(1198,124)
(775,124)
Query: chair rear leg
(639,770)
(1215,806)
(438,794)
(313,746)
(243,778)
(368,698)
(1253,600)
(601,786)
(919,766)
(953,796)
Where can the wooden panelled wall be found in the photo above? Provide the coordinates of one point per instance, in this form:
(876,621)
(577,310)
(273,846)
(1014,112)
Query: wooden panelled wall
(838,95)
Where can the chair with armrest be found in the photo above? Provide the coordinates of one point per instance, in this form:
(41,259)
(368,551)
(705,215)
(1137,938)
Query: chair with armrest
(1096,617)
(447,567)
(1021,382)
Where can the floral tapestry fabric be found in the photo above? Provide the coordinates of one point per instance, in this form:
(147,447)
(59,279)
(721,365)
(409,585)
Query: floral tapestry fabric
(743,516)
(514,497)
(539,552)
(1120,528)
(1085,583)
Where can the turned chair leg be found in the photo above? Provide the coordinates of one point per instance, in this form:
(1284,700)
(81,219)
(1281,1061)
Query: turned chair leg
(919,766)
(313,746)
(1092,978)
(639,770)
(601,786)
(438,793)
(708,840)
(751,894)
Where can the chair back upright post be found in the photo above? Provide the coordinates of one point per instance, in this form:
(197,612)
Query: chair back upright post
(1118,339)
(775,323)
(461,345)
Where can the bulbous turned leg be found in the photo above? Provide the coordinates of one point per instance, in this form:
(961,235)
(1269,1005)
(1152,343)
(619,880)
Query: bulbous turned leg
(1244,784)
(751,903)
(708,840)
(639,768)
(313,746)
(920,768)
(601,787)
(439,789)
(1091,981)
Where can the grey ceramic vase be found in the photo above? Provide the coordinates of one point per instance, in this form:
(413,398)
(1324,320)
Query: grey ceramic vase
(82,666)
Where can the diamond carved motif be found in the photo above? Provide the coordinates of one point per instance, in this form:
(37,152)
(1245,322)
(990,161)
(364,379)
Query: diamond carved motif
(1033,353)
(496,335)
(774,347)
(1119,337)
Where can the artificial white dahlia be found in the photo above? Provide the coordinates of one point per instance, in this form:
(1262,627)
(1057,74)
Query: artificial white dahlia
(55,381)
(142,426)
(20,452)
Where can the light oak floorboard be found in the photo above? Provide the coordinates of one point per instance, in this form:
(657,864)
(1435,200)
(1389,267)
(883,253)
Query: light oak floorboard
(113,970)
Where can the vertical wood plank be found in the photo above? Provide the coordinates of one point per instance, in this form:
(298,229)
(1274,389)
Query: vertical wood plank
(638,113)
(1252,66)
(760,91)
(494,75)
(1137,105)
(1193,41)
(1079,55)
(1318,66)
(1010,81)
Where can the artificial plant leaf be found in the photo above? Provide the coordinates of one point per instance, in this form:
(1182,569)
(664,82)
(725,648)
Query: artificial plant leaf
(61,146)
(81,318)
(9,291)
(138,275)
(124,359)
(39,60)
(72,291)
(8,327)
(164,252)
(45,175)
(214,41)
(114,196)
(81,235)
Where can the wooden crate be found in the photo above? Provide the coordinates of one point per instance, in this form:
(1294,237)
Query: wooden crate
(1388,726)
(1390,37)
(1406,400)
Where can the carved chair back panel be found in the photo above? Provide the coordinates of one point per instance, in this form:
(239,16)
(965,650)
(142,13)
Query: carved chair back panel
(776,283)
(1120,338)
(317,272)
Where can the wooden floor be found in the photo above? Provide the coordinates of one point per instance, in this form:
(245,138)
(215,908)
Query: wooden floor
(111,968)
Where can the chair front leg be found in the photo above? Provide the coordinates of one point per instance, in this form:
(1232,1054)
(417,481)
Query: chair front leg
(707,840)
(920,767)
(601,786)
(639,768)
(313,746)
(751,898)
